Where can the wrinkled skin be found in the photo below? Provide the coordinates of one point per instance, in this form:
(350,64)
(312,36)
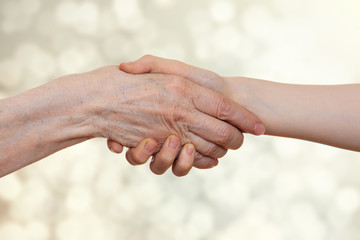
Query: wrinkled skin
(152,64)
(126,108)
(156,105)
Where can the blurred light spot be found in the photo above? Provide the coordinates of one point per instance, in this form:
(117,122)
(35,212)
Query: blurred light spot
(10,74)
(150,191)
(125,204)
(12,231)
(10,187)
(30,7)
(83,17)
(226,39)
(78,58)
(128,14)
(287,185)
(126,9)
(148,35)
(222,11)
(251,226)
(79,199)
(292,7)
(321,181)
(200,222)
(170,205)
(32,201)
(36,230)
(232,195)
(305,221)
(17,15)
(286,148)
(199,24)
(257,20)
(66,12)
(38,65)
(164,3)
(86,226)
(348,200)
(203,51)
(119,48)
(45,23)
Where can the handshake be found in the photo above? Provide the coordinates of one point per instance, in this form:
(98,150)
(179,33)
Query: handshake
(181,115)
(187,115)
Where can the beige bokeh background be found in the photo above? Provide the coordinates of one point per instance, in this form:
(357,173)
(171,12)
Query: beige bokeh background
(270,189)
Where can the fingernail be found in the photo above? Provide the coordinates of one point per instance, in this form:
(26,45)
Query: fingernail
(174,143)
(149,147)
(112,150)
(129,63)
(190,150)
(259,129)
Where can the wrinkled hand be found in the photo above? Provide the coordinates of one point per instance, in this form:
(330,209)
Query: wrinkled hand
(156,106)
(151,64)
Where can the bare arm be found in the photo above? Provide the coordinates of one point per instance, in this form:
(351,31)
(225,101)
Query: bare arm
(112,104)
(324,114)
(38,123)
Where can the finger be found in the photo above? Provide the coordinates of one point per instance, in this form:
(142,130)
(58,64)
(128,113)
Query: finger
(207,148)
(216,105)
(214,134)
(204,162)
(141,153)
(153,64)
(115,147)
(224,109)
(185,161)
(163,160)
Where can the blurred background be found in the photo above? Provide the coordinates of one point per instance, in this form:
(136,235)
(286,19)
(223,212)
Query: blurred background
(270,189)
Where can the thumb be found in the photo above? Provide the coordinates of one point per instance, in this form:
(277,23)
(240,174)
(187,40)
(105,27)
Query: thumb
(140,66)
(153,64)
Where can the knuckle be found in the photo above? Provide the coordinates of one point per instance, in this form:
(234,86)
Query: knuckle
(223,135)
(247,119)
(219,152)
(223,108)
(214,151)
(178,85)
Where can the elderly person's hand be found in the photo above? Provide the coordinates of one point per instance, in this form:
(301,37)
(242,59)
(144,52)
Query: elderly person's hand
(167,156)
(126,108)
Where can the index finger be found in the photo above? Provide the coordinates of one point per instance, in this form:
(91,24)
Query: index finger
(221,107)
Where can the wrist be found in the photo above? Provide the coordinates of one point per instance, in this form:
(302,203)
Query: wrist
(238,89)
(40,122)
(59,105)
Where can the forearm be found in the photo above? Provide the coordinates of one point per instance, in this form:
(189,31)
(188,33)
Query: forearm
(40,122)
(324,114)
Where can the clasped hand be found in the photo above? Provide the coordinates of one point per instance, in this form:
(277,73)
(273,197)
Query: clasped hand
(182,110)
